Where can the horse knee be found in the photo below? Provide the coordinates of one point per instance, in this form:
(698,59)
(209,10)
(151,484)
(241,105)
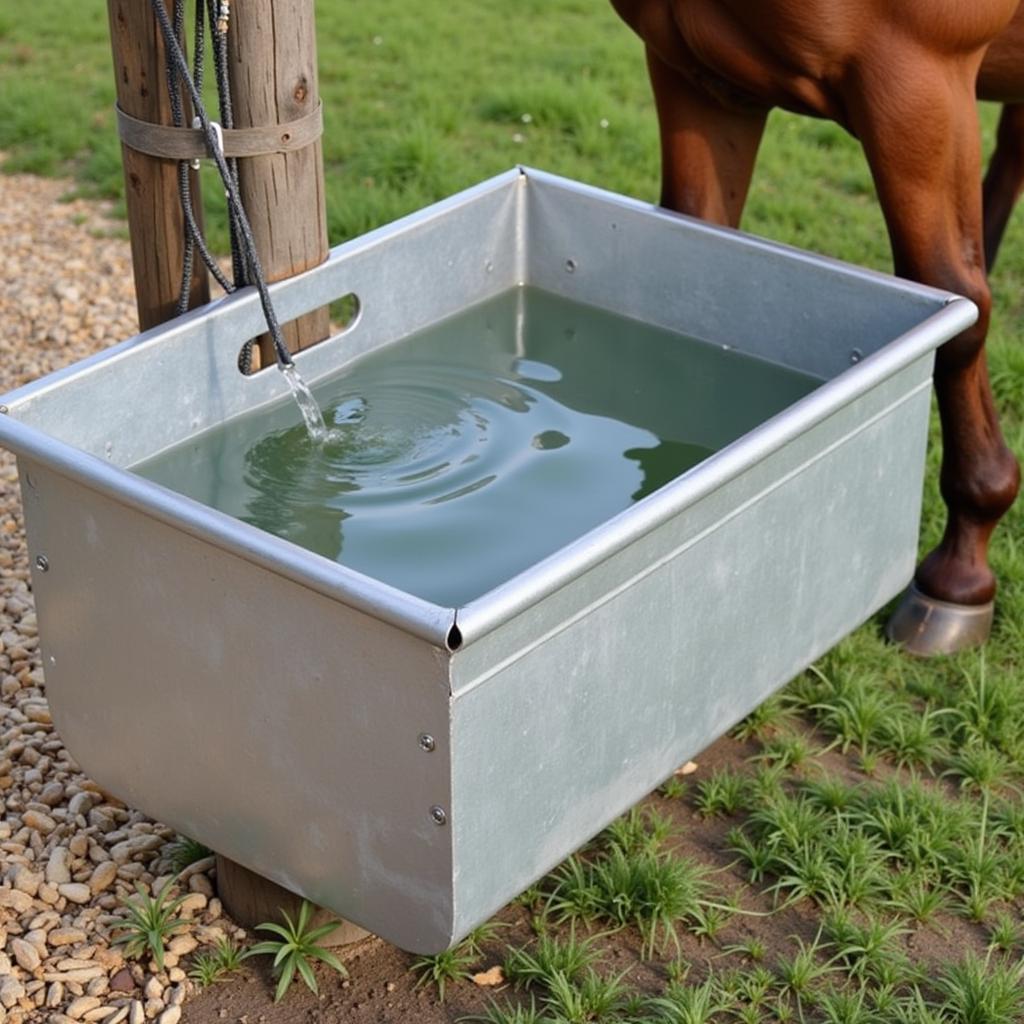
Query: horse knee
(961,352)
(983,489)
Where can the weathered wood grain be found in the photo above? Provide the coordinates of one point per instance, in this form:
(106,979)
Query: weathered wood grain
(273,74)
(155,220)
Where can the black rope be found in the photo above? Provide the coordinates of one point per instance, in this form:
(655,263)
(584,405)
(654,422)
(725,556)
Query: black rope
(179,69)
(219,11)
(193,235)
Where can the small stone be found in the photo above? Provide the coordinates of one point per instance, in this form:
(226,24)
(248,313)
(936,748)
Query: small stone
(136,1013)
(122,852)
(52,794)
(176,974)
(182,945)
(122,981)
(78,975)
(687,769)
(58,866)
(54,995)
(75,891)
(116,1016)
(152,1007)
(48,893)
(98,986)
(65,936)
(153,989)
(45,920)
(170,1016)
(201,884)
(199,867)
(209,934)
(39,822)
(37,936)
(112,959)
(38,712)
(81,1006)
(100,819)
(16,900)
(100,1013)
(26,954)
(176,995)
(11,990)
(24,880)
(489,978)
(102,877)
(80,803)
(195,902)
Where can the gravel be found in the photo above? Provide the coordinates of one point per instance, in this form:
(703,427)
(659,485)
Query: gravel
(69,853)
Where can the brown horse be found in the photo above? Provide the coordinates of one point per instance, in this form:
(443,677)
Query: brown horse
(902,76)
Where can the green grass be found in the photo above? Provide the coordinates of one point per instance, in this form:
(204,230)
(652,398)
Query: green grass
(876,800)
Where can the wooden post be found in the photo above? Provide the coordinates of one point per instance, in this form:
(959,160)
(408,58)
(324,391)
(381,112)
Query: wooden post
(273,75)
(155,221)
(272,71)
(252,899)
(273,57)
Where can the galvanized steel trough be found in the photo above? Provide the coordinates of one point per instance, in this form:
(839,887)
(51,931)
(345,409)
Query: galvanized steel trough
(410,766)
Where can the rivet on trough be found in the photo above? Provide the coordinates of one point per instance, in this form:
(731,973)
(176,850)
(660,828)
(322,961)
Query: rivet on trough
(856,355)
(438,815)
(570,265)
(427,742)
(42,563)
(4,410)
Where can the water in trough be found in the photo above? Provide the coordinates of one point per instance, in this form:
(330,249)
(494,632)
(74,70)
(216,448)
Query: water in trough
(461,455)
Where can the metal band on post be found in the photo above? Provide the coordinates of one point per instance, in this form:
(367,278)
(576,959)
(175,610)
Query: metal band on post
(190,143)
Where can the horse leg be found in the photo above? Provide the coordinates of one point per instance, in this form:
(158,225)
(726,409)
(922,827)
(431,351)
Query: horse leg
(1005,178)
(920,133)
(707,149)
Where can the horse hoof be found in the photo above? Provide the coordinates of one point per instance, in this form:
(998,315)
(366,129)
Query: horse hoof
(926,626)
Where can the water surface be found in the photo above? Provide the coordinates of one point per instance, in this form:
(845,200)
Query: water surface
(466,453)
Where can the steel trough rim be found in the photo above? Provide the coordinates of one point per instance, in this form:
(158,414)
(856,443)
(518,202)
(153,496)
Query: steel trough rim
(450,628)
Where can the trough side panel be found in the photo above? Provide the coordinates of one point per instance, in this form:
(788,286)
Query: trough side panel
(277,726)
(543,598)
(407,276)
(569,732)
(722,286)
